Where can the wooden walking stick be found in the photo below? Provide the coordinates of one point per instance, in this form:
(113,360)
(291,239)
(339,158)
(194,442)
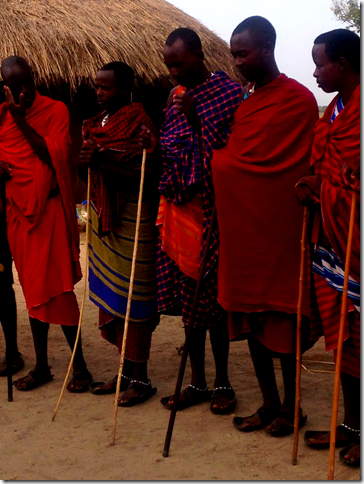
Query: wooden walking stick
(130,294)
(344,304)
(298,340)
(182,365)
(85,278)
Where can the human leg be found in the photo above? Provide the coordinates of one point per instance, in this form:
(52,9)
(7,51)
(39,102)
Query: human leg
(81,376)
(264,370)
(284,423)
(8,321)
(41,372)
(224,396)
(136,365)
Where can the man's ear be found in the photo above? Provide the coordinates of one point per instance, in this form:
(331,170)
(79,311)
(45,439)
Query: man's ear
(269,49)
(200,55)
(343,64)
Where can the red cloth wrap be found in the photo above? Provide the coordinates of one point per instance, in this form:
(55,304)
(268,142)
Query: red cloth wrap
(260,220)
(334,145)
(43,234)
(119,137)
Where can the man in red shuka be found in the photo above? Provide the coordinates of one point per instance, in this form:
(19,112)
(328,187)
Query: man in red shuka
(328,192)
(40,216)
(260,221)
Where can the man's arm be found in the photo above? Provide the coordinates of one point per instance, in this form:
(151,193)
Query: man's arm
(36,141)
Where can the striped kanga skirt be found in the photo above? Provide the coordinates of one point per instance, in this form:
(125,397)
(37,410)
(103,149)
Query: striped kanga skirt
(109,276)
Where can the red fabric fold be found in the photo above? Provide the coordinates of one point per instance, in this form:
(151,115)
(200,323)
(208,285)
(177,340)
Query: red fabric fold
(119,138)
(260,220)
(334,145)
(43,234)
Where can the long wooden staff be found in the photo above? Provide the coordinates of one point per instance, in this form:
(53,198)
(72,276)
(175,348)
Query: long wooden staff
(344,304)
(298,340)
(182,365)
(130,294)
(85,278)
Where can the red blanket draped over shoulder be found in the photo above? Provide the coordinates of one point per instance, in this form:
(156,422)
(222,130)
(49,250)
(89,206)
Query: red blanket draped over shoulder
(43,233)
(260,220)
(334,145)
(119,138)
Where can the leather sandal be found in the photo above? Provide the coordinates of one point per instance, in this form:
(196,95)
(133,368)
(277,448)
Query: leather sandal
(223,392)
(191,396)
(266,415)
(287,426)
(350,438)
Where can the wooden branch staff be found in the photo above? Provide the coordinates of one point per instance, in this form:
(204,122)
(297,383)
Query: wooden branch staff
(130,294)
(182,366)
(344,305)
(298,340)
(85,278)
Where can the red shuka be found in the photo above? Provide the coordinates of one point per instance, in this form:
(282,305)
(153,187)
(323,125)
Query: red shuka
(43,234)
(334,145)
(260,220)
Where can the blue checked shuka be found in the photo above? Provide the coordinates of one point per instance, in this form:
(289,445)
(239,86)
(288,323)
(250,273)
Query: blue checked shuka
(186,171)
(328,265)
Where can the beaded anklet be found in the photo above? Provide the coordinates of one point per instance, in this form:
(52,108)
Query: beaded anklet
(199,389)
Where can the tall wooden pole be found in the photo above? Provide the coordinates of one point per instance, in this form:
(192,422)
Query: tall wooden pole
(130,294)
(298,340)
(344,310)
(85,279)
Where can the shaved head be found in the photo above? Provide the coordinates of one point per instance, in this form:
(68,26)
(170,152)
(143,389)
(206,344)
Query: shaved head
(14,62)
(17,75)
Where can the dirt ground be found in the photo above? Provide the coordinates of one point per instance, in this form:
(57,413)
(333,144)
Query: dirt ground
(204,446)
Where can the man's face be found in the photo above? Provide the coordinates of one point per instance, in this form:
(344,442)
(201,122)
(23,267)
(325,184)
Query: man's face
(108,94)
(328,74)
(183,65)
(20,81)
(249,55)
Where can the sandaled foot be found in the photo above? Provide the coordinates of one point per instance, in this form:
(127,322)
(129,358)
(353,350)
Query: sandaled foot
(101,388)
(283,424)
(260,419)
(351,455)
(320,439)
(34,379)
(189,397)
(17,363)
(137,392)
(223,400)
(80,382)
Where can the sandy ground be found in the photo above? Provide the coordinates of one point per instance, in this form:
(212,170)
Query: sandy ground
(204,446)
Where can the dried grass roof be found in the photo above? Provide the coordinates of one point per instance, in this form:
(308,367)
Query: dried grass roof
(69,40)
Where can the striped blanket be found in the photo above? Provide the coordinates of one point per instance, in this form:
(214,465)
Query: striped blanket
(110,265)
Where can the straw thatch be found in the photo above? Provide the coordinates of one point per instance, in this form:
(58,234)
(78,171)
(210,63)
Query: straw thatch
(66,41)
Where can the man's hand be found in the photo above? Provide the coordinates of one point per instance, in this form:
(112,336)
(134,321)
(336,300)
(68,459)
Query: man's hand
(350,176)
(16,110)
(87,151)
(5,171)
(185,104)
(308,190)
(145,138)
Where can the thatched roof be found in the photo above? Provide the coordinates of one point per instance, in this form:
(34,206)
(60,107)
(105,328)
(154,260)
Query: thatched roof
(67,41)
